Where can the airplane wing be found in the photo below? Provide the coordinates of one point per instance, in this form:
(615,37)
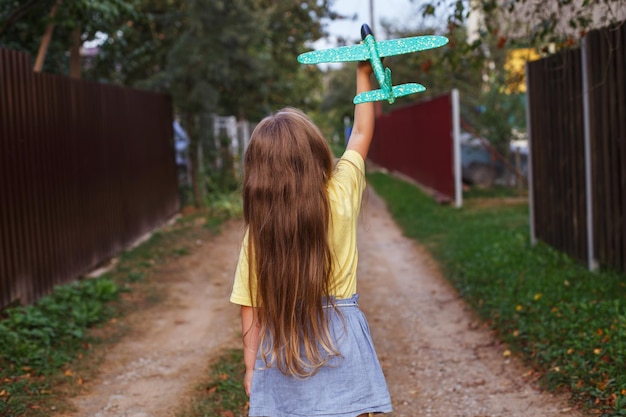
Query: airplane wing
(406,45)
(341,54)
(397,91)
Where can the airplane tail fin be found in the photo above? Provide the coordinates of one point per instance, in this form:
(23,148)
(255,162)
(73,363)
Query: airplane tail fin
(397,91)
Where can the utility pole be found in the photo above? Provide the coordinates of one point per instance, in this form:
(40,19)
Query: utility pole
(372,24)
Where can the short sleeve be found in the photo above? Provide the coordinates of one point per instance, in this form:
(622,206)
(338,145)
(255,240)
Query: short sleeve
(241,287)
(348,182)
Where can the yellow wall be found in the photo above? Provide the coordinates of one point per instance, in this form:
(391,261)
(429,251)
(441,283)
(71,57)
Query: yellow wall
(516,68)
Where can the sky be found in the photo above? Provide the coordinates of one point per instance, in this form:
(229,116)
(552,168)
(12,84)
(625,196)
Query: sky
(404,13)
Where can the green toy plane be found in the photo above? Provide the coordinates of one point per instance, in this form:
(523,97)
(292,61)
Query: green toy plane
(373,51)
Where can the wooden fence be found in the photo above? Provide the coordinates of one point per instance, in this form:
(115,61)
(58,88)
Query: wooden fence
(577,127)
(85,170)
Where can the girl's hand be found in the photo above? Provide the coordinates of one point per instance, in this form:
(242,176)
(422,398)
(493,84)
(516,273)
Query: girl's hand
(247,381)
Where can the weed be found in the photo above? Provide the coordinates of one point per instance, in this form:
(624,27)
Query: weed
(36,341)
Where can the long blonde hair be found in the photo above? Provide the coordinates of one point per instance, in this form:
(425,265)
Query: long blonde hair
(287,166)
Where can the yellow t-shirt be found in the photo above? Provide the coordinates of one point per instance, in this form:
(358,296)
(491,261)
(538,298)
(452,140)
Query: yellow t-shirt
(345,190)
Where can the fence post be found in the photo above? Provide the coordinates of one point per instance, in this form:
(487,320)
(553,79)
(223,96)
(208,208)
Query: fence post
(456,148)
(531,193)
(592,263)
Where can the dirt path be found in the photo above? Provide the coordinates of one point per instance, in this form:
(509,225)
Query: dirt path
(153,369)
(437,359)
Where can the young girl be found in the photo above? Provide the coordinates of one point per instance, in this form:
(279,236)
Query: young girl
(307,346)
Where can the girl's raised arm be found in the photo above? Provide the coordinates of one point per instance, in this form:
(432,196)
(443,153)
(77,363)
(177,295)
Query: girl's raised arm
(363,128)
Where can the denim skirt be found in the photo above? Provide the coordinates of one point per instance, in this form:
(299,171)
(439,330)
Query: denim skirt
(350,385)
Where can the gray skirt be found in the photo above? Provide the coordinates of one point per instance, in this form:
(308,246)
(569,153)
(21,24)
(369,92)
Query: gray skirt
(351,385)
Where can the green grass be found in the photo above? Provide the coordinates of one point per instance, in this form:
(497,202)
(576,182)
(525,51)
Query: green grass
(497,191)
(222,394)
(567,323)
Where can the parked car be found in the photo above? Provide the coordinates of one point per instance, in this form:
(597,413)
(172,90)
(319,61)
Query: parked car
(479,166)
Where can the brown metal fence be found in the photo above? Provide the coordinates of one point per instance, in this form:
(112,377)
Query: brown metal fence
(557,152)
(579,196)
(416,141)
(606,76)
(85,170)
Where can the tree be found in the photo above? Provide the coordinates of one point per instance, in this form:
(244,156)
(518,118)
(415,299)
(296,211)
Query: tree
(135,52)
(24,24)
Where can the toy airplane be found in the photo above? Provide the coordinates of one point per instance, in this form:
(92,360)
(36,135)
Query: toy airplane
(373,51)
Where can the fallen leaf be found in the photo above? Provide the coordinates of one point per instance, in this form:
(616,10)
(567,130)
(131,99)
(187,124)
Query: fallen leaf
(506,353)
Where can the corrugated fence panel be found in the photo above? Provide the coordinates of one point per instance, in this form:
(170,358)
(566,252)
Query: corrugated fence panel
(557,146)
(416,141)
(85,170)
(607,82)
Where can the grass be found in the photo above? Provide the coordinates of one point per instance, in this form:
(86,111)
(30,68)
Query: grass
(49,348)
(222,394)
(567,323)
(497,191)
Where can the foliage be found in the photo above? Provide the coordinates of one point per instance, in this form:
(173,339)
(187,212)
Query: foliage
(24,23)
(569,324)
(536,24)
(455,65)
(136,49)
(38,340)
(29,334)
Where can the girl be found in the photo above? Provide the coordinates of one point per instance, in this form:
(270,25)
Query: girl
(307,346)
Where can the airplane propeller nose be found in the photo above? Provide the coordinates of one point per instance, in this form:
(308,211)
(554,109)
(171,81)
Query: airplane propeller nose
(365,30)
